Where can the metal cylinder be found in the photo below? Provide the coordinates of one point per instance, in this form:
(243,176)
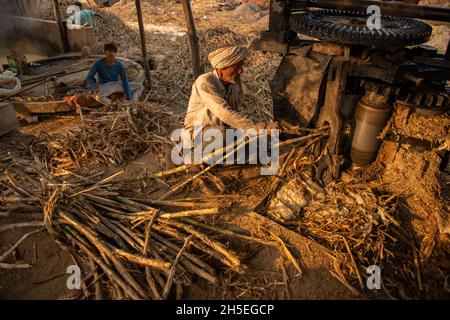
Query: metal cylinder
(372,113)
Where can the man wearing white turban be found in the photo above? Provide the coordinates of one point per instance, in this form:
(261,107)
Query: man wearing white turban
(213,101)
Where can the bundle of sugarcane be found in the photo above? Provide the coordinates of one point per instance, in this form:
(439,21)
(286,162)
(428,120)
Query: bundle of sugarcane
(114,134)
(141,250)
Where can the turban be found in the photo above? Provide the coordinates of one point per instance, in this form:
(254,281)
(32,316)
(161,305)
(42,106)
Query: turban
(226,57)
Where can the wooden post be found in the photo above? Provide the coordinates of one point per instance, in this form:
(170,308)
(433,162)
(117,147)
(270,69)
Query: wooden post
(143,45)
(193,39)
(59,26)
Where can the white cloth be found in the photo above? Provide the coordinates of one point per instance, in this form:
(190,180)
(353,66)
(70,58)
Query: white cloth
(107,89)
(6,79)
(226,57)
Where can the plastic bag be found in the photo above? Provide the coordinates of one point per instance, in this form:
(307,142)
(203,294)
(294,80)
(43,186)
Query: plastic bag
(7,83)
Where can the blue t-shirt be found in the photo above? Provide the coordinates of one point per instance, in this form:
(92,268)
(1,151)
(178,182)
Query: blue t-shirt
(108,74)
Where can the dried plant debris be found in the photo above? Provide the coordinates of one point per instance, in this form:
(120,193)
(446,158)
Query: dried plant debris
(140,249)
(111,135)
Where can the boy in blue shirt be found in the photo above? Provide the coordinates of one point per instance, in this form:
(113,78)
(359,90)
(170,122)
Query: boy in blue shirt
(108,70)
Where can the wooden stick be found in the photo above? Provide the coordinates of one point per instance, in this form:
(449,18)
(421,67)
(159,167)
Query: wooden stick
(11,266)
(211,243)
(156,264)
(98,287)
(98,184)
(296,140)
(187,255)
(189,213)
(152,284)
(143,44)
(7,253)
(287,253)
(286,282)
(232,149)
(173,203)
(148,230)
(193,39)
(417,267)
(345,283)
(358,274)
(228,232)
(59,26)
(208,274)
(200,246)
(115,278)
(21,225)
(172,270)
(105,250)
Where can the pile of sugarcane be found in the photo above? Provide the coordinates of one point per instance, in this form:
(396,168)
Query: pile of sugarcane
(142,250)
(111,135)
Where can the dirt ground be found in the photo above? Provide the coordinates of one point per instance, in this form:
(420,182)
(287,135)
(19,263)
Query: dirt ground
(269,275)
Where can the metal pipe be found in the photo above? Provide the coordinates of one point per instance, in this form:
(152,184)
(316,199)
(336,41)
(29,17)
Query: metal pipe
(372,114)
(388,9)
(143,44)
(59,27)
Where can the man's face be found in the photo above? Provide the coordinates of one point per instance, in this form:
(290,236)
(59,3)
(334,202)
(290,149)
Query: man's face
(110,55)
(231,74)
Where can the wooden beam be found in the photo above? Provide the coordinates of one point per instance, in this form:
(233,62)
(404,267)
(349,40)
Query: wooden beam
(143,45)
(193,39)
(59,26)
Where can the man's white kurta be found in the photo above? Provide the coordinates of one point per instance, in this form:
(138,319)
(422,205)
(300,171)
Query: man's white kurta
(209,106)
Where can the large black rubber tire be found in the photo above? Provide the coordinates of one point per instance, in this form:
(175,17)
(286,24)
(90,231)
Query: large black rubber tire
(350,28)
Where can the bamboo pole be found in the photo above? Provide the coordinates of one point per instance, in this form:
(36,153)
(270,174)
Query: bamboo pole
(143,44)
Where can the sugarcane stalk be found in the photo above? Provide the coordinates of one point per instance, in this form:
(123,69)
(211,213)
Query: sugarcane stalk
(152,284)
(98,287)
(104,248)
(115,278)
(160,265)
(200,246)
(148,230)
(216,246)
(190,213)
(227,232)
(172,270)
(173,203)
(226,156)
(287,253)
(191,267)
(190,256)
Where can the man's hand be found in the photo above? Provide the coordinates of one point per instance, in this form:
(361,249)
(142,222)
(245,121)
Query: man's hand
(272,125)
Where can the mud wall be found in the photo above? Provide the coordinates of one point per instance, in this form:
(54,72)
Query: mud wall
(29,35)
(26,35)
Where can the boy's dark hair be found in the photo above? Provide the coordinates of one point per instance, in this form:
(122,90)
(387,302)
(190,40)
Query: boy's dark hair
(110,47)
(78,3)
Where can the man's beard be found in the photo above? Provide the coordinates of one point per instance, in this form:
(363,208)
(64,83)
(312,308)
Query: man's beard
(235,79)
